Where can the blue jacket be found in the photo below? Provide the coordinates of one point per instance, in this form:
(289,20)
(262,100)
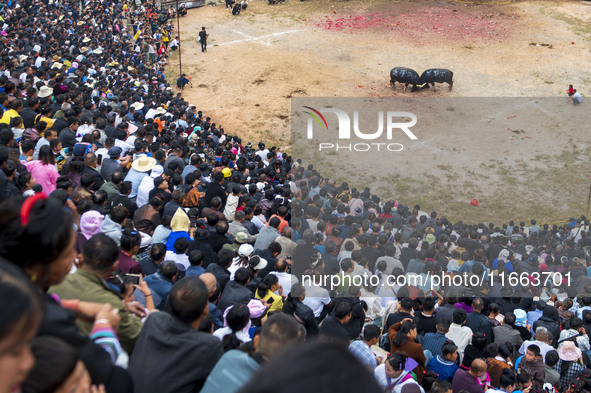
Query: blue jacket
(161,285)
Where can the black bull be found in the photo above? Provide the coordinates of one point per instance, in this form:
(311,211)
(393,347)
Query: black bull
(408,76)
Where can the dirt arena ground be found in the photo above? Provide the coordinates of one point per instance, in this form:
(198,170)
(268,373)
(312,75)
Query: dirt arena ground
(256,62)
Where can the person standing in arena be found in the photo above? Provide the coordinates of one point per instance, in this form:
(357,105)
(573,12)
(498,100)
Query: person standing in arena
(203,39)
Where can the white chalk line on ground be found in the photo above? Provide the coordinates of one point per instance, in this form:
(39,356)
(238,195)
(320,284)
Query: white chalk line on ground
(259,39)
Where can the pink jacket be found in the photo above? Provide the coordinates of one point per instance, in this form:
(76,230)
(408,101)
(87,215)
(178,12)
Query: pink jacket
(46,175)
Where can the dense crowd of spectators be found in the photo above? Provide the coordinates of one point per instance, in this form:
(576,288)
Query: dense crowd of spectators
(145,249)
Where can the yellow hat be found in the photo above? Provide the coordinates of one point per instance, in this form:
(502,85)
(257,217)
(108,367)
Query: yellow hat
(227,172)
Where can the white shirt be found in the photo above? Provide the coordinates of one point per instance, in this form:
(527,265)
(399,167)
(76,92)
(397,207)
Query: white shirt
(461,336)
(124,146)
(143,191)
(223,332)
(577,96)
(380,375)
(178,258)
(104,153)
(286,280)
(316,298)
(38,61)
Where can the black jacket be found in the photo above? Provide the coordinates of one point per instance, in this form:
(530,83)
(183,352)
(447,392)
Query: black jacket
(98,179)
(221,274)
(233,294)
(109,167)
(171,356)
(334,330)
(302,313)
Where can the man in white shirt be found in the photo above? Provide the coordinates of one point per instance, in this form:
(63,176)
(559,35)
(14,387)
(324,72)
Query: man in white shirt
(458,333)
(147,185)
(286,280)
(540,340)
(576,98)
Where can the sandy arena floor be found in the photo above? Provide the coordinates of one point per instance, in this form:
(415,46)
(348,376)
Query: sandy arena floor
(257,61)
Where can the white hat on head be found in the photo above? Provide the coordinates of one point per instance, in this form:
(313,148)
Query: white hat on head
(156,171)
(45,91)
(245,250)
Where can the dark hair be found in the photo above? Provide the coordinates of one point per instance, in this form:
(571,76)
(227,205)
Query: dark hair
(100,252)
(242,275)
(401,336)
(459,316)
(429,378)
(341,371)
(158,251)
(342,309)
(428,303)
(48,374)
(237,319)
(19,301)
(371,332)
(266,284)
(168,269)
(46,155)
(479,340)
(507,378)
(533,348)
(195,257)
(130,239)
(187,299)
(505,350)
(49,228)
(397,360)
(118,214)
(278,332)
(181,245)
(441,387)
(448,348)
(552,358)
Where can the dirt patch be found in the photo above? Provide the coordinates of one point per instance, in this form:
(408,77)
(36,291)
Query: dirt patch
(257,62)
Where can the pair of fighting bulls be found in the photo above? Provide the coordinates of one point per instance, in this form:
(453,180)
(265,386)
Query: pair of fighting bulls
(409,76)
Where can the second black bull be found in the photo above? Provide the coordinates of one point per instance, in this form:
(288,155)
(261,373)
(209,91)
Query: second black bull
(408,76)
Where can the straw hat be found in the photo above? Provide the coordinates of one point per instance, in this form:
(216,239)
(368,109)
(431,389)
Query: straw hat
(98,51)
(138,105)
(144,164)
(86,39)
(80,22)
(22,58)
(45,91)
(160,111)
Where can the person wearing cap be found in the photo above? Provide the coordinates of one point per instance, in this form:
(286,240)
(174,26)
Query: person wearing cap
(139,169)
(111,165)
